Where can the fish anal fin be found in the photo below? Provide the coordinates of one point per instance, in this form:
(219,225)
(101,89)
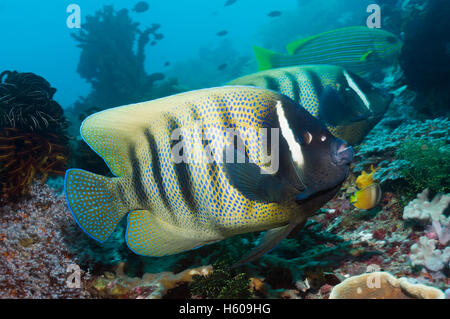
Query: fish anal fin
(148,235)
(270,239)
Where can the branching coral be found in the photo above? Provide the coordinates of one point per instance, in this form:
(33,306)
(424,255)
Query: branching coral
(32,133)
(424,253)
(424,211)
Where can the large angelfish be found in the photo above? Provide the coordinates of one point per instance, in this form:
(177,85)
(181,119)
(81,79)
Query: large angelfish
(347,104)
(175,205)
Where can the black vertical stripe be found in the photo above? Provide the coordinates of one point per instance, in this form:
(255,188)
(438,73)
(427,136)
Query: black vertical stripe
(272,83)
(156,168)
(295,86)
(182,173)
(316,82)
(136,178)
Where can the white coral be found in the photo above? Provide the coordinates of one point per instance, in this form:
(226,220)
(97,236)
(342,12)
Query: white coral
(425,211)
(425,253)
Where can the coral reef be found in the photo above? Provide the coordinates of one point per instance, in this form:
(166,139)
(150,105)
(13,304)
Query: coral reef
(424,253)
(415,153)
(424,211)
(150,286)
(382,285)
(34,257)
(33,142)
(222,283)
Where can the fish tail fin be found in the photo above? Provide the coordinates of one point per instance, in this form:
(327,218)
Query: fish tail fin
(264,58)
(93,202)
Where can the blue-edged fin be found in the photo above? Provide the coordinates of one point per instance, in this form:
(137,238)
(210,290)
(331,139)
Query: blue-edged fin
(270,239)
(148,235)
(249,180)
(93,202)
(264,58)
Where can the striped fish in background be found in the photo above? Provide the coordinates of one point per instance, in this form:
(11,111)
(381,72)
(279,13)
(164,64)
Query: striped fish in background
(347,104)
(359,49)
(177,206)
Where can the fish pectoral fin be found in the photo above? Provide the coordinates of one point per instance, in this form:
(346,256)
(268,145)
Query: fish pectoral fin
(148,235)
(253,182)
(270,239)
(366,55)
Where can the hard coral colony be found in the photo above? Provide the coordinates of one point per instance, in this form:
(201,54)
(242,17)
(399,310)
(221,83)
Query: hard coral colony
(366,221)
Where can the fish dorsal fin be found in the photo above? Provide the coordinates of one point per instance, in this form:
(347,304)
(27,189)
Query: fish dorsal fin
(296,45)
(270,239)
(112,132)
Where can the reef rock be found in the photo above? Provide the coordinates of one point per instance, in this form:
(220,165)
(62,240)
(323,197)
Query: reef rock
(382,285)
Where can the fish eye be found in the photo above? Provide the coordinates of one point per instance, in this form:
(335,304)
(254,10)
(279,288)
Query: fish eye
(307,137)
(323,138)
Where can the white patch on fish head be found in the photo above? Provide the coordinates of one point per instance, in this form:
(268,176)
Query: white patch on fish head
(288,135)
(357,90)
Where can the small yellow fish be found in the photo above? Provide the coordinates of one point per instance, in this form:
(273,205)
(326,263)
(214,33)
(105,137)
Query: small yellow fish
(364,180)
(368,197)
